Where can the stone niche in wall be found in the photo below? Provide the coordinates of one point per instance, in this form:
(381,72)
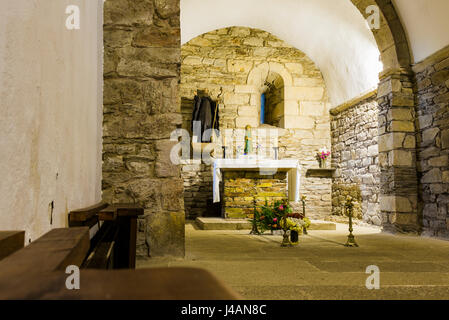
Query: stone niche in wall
(237,65)
(274,100)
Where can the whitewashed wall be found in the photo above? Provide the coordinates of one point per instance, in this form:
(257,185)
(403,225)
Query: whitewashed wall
(426,24)
(51,112)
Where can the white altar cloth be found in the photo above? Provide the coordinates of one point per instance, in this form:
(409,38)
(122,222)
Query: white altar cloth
(265,166)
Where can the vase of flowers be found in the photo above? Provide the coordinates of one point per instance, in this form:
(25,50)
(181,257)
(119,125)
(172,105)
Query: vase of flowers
(294,237)
(279,217)
(322,156)
(297,224)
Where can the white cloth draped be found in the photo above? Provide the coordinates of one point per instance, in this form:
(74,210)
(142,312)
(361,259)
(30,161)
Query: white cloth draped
(265,166)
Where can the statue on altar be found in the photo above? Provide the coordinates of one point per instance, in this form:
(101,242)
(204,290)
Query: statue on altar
(248,140)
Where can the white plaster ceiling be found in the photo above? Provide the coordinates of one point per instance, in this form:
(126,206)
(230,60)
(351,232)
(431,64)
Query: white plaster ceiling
(426,23)
(333,33)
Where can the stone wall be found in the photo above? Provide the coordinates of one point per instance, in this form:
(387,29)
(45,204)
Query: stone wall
(432,77)
(355,152)
(245,190)
(398,197)
(198,198)
(235,64)
(141,109)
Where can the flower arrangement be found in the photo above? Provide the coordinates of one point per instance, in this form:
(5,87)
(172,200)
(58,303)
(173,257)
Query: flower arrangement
(323,153)
(303,223)
(269,217)
(299,222)
(291,225)
(273,217)
(322,156)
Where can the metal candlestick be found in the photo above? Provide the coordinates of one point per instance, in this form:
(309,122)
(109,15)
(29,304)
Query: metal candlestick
(303,200)
(349,207)
(255,230)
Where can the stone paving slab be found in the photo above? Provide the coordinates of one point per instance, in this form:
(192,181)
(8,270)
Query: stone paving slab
(344,293)
(320,267)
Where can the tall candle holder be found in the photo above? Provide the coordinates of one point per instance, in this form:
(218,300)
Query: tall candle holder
(255,229)
(349,208)
(303,200)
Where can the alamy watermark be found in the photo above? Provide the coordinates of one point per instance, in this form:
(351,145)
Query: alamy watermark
(73,21)
(373,281)
(374,17)
(73,280)
(231,143)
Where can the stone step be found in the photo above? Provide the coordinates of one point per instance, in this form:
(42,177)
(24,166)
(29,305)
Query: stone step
(223,224)
(244,224)
(322,225)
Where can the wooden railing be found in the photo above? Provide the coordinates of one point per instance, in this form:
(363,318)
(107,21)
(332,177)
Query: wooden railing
(10,242)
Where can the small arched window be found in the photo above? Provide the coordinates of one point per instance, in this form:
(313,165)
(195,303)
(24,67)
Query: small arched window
(272,100)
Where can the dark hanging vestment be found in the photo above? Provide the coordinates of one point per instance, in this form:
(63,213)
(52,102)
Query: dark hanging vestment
(204,111)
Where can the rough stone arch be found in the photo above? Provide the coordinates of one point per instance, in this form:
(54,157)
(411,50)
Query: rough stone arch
(259,75)
(390,37)
(397,159)
(260,72)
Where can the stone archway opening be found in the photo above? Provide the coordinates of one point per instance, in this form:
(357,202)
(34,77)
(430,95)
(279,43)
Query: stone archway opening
(141,109)
(272,80)
(239,64)
(396,133)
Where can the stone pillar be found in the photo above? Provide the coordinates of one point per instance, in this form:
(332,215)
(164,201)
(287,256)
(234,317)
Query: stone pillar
(142,55)
(397,152)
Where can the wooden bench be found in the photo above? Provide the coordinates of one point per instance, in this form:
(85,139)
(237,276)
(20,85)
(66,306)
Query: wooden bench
(38,272)
(10,242)
(113,234)
(53,251)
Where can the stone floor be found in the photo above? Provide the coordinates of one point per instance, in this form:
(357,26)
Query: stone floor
(320,267)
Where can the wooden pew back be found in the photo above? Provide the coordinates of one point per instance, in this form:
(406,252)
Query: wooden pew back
(113,245)
(53,251)
(10,242)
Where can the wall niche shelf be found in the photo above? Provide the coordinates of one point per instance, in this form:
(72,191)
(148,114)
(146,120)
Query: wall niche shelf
(320,173)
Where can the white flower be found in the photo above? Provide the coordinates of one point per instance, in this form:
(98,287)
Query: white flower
(324,150)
